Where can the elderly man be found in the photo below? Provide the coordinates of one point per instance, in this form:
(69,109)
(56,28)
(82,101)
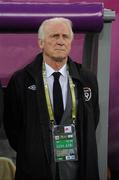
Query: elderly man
(52,111)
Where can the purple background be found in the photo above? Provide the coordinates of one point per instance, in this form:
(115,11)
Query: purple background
(16,50)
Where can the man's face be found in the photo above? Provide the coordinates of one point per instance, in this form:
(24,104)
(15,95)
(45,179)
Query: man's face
(57,42)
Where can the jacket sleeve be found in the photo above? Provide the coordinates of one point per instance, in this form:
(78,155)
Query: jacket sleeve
(96,101)
(1,105)
(12,112)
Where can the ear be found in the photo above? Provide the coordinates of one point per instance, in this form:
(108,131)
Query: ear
(40,43)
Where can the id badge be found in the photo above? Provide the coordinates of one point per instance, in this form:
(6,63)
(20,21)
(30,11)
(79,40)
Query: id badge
(64,143)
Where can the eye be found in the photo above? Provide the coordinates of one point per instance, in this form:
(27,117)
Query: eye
(55,36)
(66,36)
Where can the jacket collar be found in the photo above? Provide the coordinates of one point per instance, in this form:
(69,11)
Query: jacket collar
(35,68)
(74,70)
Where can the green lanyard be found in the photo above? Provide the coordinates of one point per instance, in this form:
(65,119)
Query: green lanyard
(48,100)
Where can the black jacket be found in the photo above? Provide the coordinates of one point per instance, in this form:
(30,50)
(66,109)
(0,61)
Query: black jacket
(26,121)
(1,106)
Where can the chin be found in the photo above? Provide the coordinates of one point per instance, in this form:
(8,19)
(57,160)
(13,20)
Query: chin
(59,59)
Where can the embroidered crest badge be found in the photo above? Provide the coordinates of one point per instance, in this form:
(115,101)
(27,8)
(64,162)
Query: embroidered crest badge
(87,93)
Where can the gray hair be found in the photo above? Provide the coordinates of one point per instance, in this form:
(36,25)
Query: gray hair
(41,33)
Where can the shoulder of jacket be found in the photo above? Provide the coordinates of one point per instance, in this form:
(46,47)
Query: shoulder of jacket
(23,70)
(86,73)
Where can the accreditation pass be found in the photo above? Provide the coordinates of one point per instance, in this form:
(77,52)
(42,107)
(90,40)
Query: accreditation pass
(64,143)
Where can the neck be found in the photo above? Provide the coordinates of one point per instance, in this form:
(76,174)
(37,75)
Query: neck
(56,65)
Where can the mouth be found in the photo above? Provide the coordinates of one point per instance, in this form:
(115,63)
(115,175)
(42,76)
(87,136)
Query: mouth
(59,49)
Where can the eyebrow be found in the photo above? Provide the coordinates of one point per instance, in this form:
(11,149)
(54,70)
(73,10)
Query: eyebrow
(57,34)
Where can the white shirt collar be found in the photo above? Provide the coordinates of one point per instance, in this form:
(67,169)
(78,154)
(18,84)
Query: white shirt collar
(50,70)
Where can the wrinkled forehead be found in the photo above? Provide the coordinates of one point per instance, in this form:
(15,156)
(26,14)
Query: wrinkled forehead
(57,27)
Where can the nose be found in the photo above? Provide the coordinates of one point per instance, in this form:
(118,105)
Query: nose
(60,41)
